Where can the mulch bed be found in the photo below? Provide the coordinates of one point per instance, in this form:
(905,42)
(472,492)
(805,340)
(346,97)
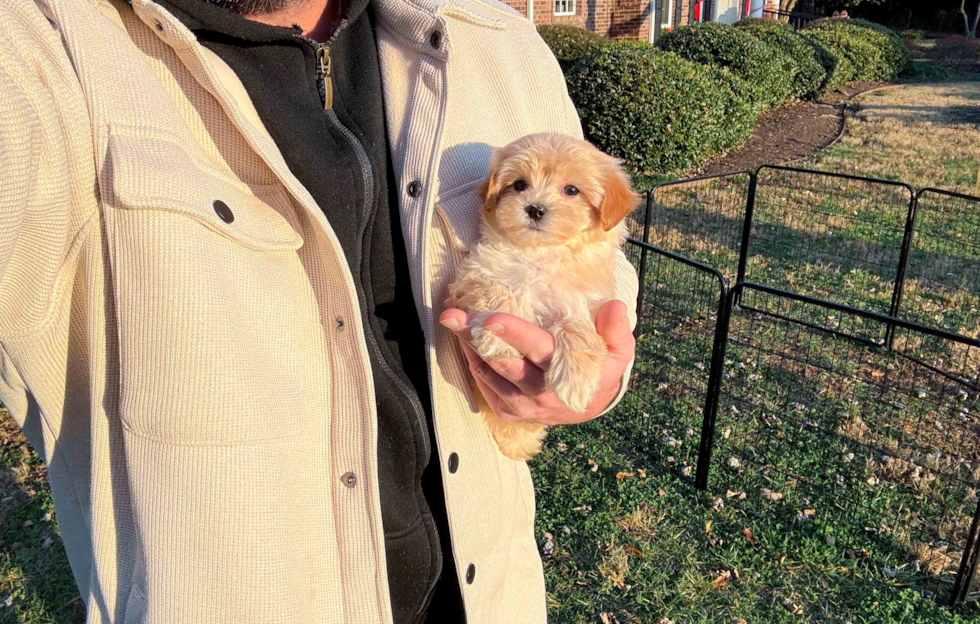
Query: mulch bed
(790,132)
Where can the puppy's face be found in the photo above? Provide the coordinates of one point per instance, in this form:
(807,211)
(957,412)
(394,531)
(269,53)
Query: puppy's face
(549,189)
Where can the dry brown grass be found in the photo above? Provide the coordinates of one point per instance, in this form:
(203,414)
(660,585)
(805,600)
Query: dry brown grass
(911,134)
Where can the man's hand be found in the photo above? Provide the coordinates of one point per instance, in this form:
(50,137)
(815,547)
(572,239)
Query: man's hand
(514,388)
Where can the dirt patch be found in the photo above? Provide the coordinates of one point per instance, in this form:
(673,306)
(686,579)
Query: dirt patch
(790,132)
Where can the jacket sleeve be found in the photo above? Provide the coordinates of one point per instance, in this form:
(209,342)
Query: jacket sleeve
(627,287)
(20,161)
(46,166)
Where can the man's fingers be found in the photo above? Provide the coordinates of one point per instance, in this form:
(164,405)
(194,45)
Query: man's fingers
(456,321)
(613,325)
(482,371)
(536,344)
(521,372)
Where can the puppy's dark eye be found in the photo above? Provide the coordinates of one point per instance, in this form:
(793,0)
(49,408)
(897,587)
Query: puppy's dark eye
(520,186)
(571,191)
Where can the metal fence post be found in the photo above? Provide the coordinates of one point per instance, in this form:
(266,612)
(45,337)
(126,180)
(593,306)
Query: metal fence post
(713,393)
(968,564)
(642,273)
(903,262)
(743,252)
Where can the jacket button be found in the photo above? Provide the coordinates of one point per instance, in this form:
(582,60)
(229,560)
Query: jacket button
(470,574)
(340,322)
(414,188)
(435,39)
(348,479)
(453,463)
(223,211)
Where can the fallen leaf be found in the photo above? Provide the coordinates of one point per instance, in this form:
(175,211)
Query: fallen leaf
(623,475)
(792,607)
(782,558)
(715,541)
(47,542)
(642,473)
(594,465)
(769,495)
(877,374)
(748,536)
(633,551)
(662,492)
(707,527)
(720,581)
(731,494)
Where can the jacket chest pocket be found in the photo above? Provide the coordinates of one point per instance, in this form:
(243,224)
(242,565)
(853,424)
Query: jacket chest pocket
(216,318)
(456,229)
(460,212)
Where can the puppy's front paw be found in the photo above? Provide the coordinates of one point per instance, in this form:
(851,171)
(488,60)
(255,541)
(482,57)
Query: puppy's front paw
(576,366)
(487,344)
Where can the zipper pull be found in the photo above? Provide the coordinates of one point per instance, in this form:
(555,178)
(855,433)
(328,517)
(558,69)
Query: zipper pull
(323,57)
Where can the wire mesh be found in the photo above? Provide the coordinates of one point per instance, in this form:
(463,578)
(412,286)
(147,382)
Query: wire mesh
(942,282)
(661,416)
(877,448)
(701,219)
(828,236)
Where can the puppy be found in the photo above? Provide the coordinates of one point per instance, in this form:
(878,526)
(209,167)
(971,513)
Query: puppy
(553,209)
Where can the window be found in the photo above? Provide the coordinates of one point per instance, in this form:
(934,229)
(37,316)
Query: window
(564,7)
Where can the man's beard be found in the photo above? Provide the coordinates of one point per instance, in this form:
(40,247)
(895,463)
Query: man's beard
(255,7)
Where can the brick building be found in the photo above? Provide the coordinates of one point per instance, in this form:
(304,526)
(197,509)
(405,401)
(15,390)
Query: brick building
(643,20)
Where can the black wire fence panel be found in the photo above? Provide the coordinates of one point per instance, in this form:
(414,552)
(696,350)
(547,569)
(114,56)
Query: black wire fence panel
(678,317)
(828,236)
(941,285)
(701,219)
(876,448)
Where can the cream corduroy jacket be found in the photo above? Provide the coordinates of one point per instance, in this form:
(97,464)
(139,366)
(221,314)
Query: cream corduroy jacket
(187,380)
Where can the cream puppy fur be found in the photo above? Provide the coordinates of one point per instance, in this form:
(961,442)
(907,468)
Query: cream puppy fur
(553,209)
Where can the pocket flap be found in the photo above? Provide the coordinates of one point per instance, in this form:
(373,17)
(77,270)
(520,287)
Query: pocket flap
(462,208)
(153,171)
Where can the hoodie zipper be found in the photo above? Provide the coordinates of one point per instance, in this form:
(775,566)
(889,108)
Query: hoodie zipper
(324,77)
(325,87)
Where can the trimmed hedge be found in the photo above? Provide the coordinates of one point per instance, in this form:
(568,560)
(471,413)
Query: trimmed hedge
(863,53)
(767,72)
(809,74)
(669,108)
(570,43)
(668,114)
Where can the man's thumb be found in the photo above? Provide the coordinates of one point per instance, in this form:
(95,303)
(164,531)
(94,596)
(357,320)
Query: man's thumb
(613,325)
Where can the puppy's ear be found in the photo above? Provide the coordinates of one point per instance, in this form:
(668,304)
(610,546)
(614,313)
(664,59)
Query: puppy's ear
(489,189)
(619,199)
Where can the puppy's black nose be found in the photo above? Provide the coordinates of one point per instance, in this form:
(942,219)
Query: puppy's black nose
(535,211)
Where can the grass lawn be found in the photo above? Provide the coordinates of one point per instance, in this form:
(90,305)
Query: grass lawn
(827,501)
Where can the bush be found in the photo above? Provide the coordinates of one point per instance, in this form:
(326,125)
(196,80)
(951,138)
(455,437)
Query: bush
(570,43)
(809,74)
(767,73)
(865,50)
(656,110)
(912,35)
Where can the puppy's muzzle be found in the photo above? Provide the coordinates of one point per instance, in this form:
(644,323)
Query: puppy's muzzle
(535,211)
